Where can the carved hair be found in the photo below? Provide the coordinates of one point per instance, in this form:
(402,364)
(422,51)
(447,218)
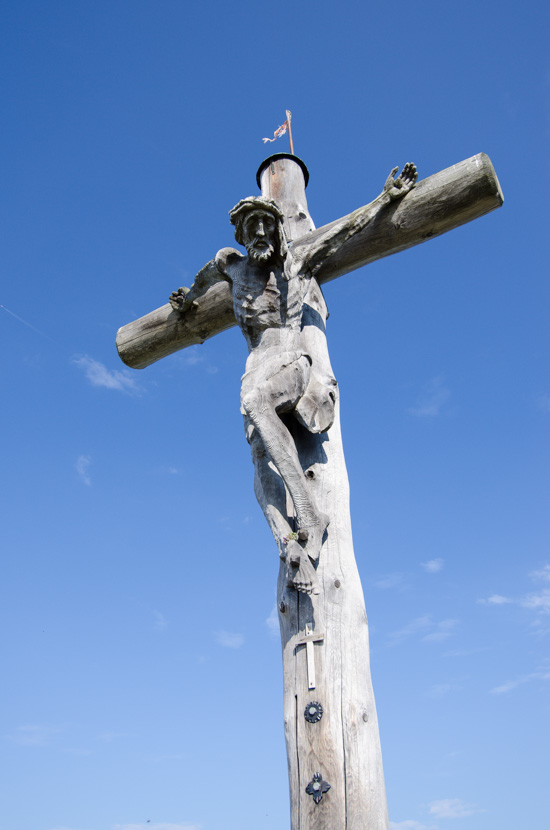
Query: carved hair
(238,214)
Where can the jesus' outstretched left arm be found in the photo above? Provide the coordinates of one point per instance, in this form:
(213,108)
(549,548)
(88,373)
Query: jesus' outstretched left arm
(313,250)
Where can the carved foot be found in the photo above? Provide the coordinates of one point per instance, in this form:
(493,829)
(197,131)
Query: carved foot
(312,535)
(300,572)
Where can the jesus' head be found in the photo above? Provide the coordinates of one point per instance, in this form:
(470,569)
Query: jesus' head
(259,227)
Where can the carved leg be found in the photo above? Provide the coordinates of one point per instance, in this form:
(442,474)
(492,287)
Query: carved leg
(261,404)
(272,496)
(269,489)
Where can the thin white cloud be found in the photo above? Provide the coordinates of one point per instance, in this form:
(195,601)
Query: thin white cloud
(192,356)
(495,599)
(34,734)
(391,580)
(195,356)
(540,626)
(441,689)
(160,622)
(166,757)
(108,736)
(99,375)
(82,464)
(543,673)
(167,470)
(465,652)
(432,566)
(411,824)
(433,398)
(431,631)
(66,828)
(542,575)
(155,825)
(78,752)
(443,630)
(543,403)
(227,639)
(416,625)
(537,601)
(452,808)
(272,622)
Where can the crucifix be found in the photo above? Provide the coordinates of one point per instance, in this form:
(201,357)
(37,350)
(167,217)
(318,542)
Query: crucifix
(289,400)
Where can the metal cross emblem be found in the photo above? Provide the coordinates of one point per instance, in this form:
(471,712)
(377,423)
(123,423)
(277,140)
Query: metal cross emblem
(308,641)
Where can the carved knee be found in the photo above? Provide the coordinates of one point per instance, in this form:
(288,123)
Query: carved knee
(252,402)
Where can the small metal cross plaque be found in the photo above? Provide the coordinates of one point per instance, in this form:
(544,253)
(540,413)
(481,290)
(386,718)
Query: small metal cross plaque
(308,641)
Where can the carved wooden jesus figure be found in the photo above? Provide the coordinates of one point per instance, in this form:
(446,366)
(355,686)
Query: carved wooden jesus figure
(272,288)
(290,403)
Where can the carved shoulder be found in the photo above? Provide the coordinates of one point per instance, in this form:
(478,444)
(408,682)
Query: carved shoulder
(315,299)
(227,259)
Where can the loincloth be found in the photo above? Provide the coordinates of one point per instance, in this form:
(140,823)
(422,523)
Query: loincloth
(315,407)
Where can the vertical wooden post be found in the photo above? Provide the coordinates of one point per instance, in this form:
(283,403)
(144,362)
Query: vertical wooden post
(283,178)
(342,748)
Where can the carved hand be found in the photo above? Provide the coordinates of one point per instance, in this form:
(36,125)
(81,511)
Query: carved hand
(177,299)
(397,188)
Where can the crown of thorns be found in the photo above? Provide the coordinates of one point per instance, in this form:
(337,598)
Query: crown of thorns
(238,213)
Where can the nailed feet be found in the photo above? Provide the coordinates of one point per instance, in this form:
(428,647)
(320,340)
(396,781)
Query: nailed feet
(300,572)
(302,552)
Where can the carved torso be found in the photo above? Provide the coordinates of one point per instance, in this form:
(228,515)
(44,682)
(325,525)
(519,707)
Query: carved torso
(267,300)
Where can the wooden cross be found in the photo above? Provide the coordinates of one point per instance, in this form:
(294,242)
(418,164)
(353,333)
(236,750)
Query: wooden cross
(318,583)
(438,204)
(308,641)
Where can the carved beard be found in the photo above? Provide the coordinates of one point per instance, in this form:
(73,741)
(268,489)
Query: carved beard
(260,255)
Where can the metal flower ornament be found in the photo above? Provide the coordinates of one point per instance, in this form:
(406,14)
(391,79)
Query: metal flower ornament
(317,787)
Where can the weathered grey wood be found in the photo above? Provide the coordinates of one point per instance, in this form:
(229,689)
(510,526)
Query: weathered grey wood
(163,331)
(344,746)
(289,398)
(437,204)
(281,178)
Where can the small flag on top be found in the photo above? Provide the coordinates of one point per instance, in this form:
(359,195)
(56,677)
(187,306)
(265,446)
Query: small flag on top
(282,130)
(278,132)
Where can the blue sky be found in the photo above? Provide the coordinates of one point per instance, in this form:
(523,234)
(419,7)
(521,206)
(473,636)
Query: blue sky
(142,672)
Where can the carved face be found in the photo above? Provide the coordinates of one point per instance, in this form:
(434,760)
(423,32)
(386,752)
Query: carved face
(260,235)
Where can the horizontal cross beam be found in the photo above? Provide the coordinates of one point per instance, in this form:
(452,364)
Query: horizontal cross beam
(436,205)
